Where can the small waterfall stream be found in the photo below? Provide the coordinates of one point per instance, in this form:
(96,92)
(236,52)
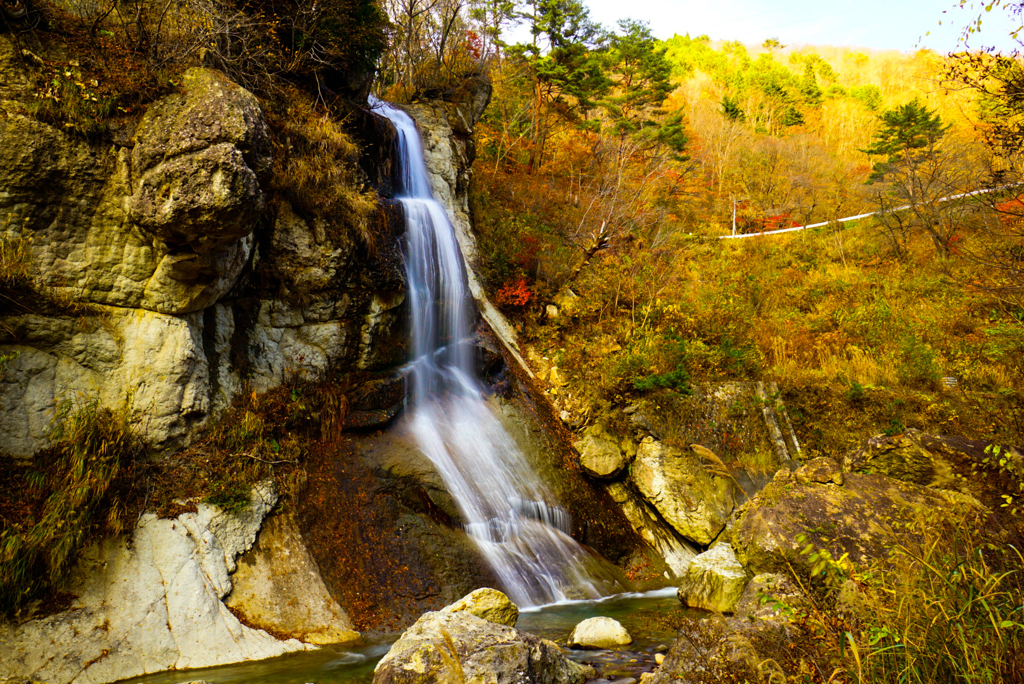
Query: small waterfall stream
(506,509)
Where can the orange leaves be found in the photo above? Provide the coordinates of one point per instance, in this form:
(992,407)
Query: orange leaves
(515,293)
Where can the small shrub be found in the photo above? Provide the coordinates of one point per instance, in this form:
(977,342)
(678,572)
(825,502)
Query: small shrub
(514,293)
(895,427)
(677,379)
(74,101)
(627,369)
(918,366)
(233,497)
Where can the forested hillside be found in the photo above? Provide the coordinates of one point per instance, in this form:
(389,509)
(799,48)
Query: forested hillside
(768,312)
(610,163)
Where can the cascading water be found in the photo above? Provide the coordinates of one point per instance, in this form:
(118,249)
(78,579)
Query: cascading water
(524,538)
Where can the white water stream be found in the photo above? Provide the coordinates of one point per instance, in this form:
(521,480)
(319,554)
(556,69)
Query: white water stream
(508,512)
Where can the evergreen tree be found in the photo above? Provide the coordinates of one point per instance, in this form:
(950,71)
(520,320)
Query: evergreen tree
(909,134)
(642,77)
(564,62)
(914,178)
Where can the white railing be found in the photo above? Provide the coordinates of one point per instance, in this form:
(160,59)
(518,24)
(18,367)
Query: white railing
(861,216)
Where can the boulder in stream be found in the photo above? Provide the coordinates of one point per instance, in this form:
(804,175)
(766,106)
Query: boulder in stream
(599,632)
(457,647)
(487,604)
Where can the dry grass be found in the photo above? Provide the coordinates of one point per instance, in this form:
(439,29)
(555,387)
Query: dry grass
(317,170)
(82,484)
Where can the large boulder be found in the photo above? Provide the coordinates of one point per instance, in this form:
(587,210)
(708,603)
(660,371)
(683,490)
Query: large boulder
(694,501)
(458,647)
(599,632)
(600,455)
(195,183)
(861,520)
(714,581)
(487,604)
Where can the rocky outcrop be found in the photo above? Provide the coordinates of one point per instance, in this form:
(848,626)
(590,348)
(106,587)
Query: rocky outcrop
(457,647)
(715,580)
(599,632)
(192,288)
(149,603)
(859,520)
(694,501)
(195,190)
(278,587)
(487,604)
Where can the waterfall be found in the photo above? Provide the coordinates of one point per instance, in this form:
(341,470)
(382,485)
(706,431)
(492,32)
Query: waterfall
(508,512)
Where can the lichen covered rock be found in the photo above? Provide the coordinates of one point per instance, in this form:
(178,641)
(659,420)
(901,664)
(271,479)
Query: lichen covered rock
(487,604)
(715,580)
(458,647)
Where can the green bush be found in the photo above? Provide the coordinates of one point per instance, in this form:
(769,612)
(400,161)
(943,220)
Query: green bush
(918,365)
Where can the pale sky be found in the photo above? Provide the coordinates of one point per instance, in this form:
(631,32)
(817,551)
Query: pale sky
(878,24)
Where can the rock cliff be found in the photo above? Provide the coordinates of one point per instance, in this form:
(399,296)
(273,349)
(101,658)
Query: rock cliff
(194,289)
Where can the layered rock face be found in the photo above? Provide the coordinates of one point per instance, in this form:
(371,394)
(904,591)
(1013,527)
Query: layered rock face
(193,294)
(150,603)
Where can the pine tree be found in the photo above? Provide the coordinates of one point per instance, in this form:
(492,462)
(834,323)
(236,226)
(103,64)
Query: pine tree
(909,133)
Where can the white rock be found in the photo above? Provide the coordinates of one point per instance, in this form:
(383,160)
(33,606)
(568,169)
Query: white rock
(599,632)
(149,605)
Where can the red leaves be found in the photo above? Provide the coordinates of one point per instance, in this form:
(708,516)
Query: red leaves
(515,292)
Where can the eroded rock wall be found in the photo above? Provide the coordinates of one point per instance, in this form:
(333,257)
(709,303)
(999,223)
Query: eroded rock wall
(149,603)
(193,288)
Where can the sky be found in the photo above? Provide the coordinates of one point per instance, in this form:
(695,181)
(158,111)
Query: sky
(878,24)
